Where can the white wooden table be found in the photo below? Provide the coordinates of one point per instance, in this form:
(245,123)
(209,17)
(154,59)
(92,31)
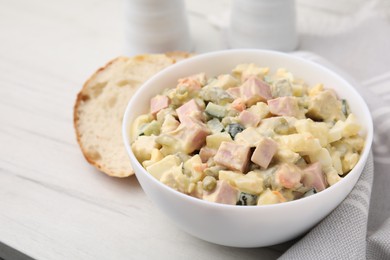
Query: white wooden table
(54,205)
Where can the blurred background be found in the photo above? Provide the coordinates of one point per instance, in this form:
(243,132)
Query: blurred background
(92,32)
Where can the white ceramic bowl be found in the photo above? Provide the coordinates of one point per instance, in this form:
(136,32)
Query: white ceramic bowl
(253,226)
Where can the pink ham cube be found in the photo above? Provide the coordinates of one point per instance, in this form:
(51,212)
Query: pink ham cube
(206,153)
(288,176)
(233,156)
(192,134)
(249,119)
(158,103)
(313,177)
(254,90)
(284,106)
(223,193)
(234,92)
(189,109)
(264,152)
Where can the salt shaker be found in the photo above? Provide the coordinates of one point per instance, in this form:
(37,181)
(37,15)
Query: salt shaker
(263,24)
(156,26)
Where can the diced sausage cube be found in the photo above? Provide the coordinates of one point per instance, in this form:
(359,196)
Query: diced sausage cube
(254,90)
(157,103)
(206,153)
(192,134)
(223,193)
(288,176)
(249,119)
(233,156)
(284,106)
(189,109)
(234,92)
(264,152)
(313,177)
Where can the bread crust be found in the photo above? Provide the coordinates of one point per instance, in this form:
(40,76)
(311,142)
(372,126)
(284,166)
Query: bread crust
(84,96)
(179,55)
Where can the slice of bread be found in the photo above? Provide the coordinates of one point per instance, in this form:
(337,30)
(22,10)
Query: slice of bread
(100,105)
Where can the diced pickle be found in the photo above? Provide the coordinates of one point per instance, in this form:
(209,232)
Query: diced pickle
(234,129)
(345,107)
(215,125)
(216,95)
(153,128)
(247,199)
(214,110)
(282,128)
(281,88)
(309,193)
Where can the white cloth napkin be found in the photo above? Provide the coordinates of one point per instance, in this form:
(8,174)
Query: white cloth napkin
(359,228)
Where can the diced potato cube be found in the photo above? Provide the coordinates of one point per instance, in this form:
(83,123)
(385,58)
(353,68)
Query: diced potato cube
(347,128)
(351,126)
(193,166)
(249,137)
(156,156)
(170,124)
(229,176)
(143,147)
(337,161)
(175,179)
(323,157)
(316,89)
(170,144)
(244,71)
(336,132)
(250,183)
(298,90)
(269,197)
(356,142)
(331,176)
(225,81)
(349,161)
(303,143)
(285,155)
(318,129)
(260,108)
(214,141)
(283,73)
(197,190)
(159,168)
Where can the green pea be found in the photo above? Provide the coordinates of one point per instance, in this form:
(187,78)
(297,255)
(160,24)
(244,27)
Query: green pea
(209,183)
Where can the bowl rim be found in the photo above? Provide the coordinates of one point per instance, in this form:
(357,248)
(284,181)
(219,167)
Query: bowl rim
(369,130)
